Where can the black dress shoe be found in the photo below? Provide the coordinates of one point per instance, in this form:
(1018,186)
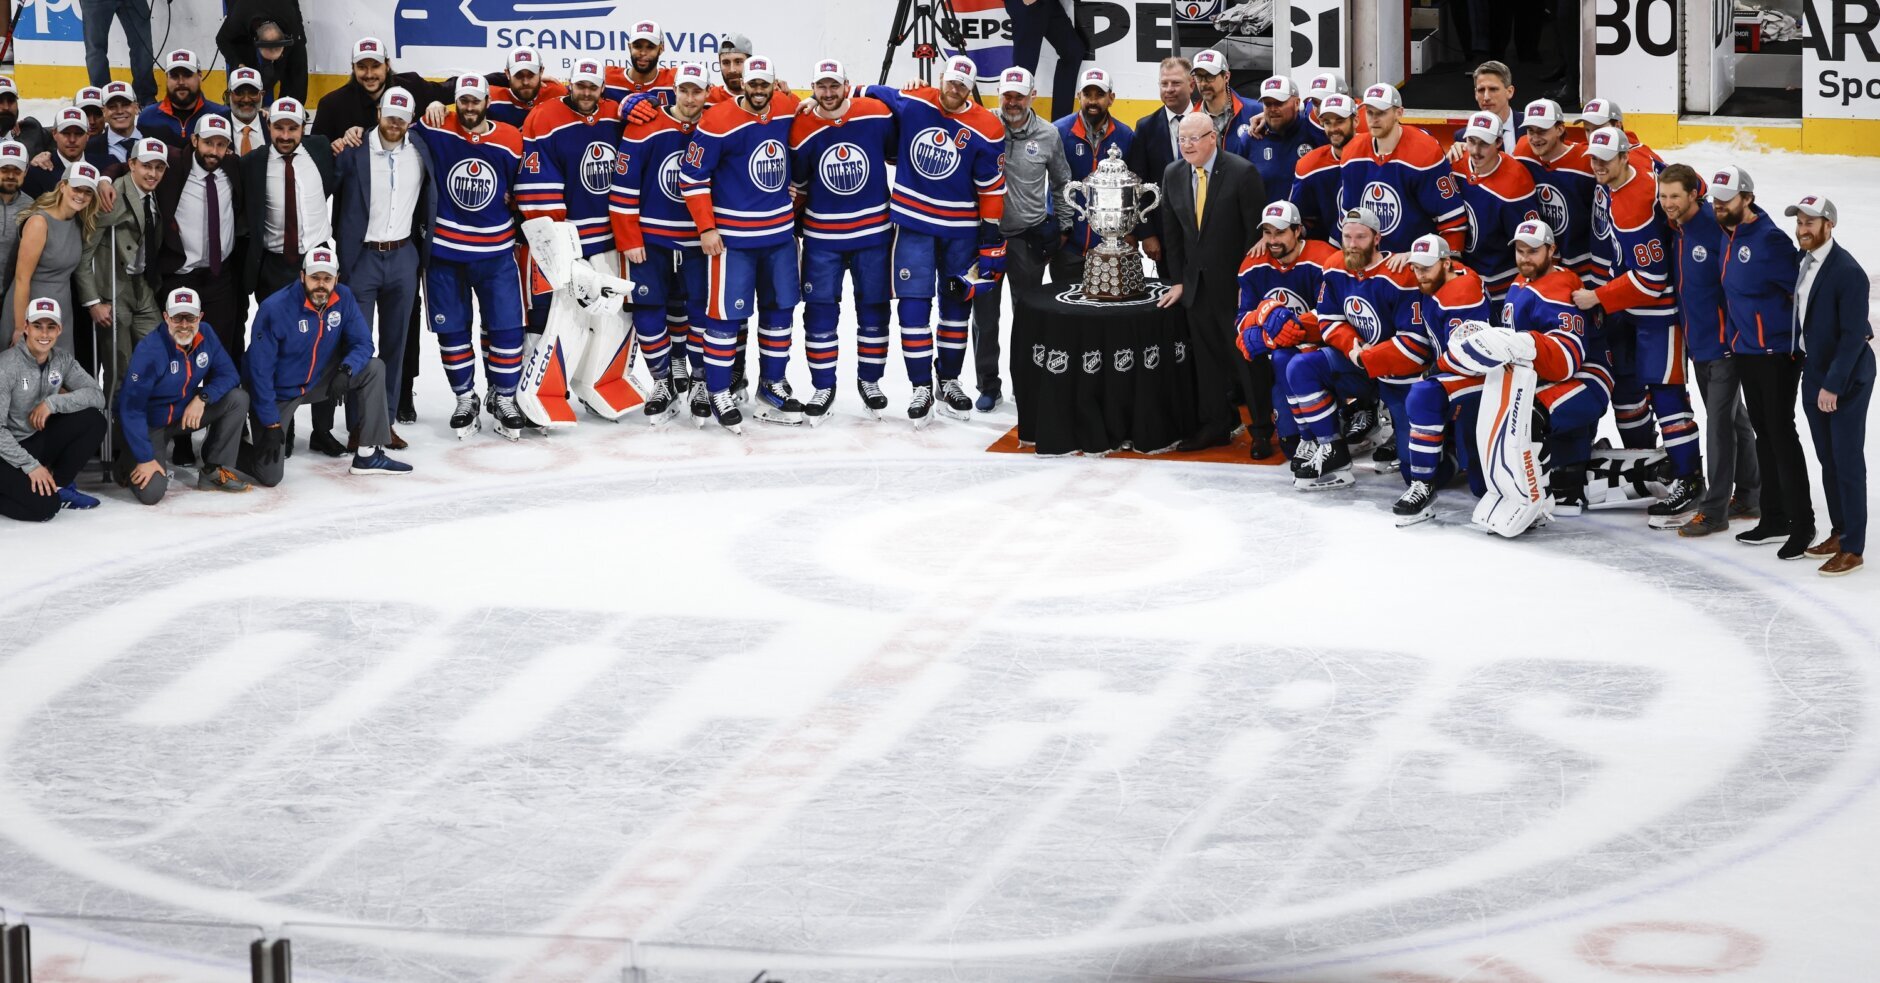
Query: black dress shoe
(407,413)
(324,442)
(1260,447)
(1797,546)
(1201,442)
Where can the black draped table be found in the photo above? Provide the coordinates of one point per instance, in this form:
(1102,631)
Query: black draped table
(1099,377)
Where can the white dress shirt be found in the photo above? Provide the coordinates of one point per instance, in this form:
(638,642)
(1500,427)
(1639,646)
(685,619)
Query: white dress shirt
(192,220)
(1817,256)
(396,178)
(1174,139)
(315,225)
(117,145)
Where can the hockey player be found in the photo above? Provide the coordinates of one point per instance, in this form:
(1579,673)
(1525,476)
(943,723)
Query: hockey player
(1399,174)
(1563,182)
(1450,293)
(1365,312)
(1641,326)
(1317,176)
(473,251)
(1497,195)
(736,182)
(645,45)
(733,51)
(839,154)
(1088,136)
(1289,271)
(946,201)
(1322,85)
(1601,113)
(522,88)
(655,231)
(1283,140)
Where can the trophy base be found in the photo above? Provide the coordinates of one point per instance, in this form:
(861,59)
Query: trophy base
(1113,272)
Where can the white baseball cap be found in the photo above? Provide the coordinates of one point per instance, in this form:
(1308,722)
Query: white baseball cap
(398,103)
(183,300)
(286,107)
(959,69)
(1280,214)
(1542,114)
(1324,84)
(1381,96)
(89,96)
(1817,206)
(1534,233)
(1279,88)
(1730,182)
(12,154)
(1210,61)
(691,73)
(587,70)
(71,118)
(1607,142)
(1362,216)
(759,68)
(1485,127)
(1095,77)
(1599,112)
(830,69)
(368,49)
(44,309)
(524,60)
(151,149)
(1337,104)
(182,58)
(7,87)
(113,91)
(1016,79)
(211,125)
(1429,250)
(473,86)
(645,30)
(320,259)
(81,174)
(244,76)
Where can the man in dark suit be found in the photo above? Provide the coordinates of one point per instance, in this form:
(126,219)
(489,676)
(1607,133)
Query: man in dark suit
(71,138)
(199,202)
(1214,200)
(1837,377)
(289,182)
(1154,148)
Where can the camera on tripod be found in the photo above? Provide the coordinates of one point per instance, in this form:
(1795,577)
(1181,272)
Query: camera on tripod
(924,24)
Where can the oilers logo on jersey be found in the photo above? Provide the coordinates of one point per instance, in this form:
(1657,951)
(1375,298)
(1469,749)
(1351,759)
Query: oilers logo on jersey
(472,185)
(769,167)
(1289,298)
(1384,202)
(935,156)
(597,168)
(1363,319)
(1553,208)
(669,176)
(1470,232)
(844,168)
(1602,215)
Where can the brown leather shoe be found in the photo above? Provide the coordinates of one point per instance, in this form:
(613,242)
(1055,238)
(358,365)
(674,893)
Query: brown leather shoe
(1842,565)
(1827,547)
(397,443)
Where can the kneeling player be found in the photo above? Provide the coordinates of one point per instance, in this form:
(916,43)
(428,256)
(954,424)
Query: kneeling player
(1451,294)
(1288,272)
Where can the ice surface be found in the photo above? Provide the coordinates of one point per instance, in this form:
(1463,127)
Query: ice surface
(957,715)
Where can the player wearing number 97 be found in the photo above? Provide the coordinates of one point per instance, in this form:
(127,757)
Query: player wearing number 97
(1400,174)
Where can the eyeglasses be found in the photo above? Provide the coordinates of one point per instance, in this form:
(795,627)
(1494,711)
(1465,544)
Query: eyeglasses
(1191,141)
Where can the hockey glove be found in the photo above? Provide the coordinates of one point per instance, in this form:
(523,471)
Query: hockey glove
(268,444)
(1482,351)
(1279,324)
(641,107)
(991,252)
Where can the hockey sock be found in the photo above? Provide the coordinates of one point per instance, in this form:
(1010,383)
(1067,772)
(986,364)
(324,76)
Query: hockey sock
(1427,408)
(1308,381)
(744,344)
(820,343)
(649,325)
(678,327)
(721,353)
(917,339)
(871,342)
(1283,424)
(1635,419)
(503,366)
(695,348)
(460,360)
(955,316)
(774,327)
(1672,404)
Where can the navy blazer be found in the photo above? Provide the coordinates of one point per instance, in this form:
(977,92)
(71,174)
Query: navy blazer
(1150,155)
(1835,328)
(352,203)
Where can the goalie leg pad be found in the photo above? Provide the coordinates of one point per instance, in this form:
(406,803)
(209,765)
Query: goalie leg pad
(544,390)
(1517,493)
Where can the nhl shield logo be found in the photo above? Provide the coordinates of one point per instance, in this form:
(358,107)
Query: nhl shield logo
(1181,352)
(844,168)
(1151,356)
(1057,362)
(769,166)
(1037,355)
(1123,359)
(472,185)
(935,156)
(1383,200)
(1093,361)
(1363,318)
(597,168)
(1553,208)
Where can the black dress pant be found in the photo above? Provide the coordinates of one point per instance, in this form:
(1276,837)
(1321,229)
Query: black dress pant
(69,440)
(224,305)
(1770,383)
(1222,375)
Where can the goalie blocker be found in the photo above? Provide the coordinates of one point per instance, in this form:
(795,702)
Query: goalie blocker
(585,351)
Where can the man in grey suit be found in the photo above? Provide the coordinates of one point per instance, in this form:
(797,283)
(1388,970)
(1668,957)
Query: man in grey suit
(117,275)
(1214,200)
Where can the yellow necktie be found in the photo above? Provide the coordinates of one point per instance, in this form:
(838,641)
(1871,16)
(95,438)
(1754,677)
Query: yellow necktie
(246,143)
(1201,194)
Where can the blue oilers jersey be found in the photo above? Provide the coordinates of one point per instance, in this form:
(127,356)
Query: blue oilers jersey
(568,163)
(474,178)
(646,205)
(841,173)
(950,170)
(1377,309)
(736,174)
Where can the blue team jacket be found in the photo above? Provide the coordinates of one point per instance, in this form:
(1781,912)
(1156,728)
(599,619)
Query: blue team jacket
(293,344)
(163,378)
(1759,267)
(1697,276)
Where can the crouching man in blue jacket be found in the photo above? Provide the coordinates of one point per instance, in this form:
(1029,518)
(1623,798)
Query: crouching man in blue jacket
(180,380)
(310,343)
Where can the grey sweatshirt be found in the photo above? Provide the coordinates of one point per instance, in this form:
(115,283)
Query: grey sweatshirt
(24,384)
(1035,172)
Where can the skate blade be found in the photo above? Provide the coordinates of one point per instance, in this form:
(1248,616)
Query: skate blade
(661,419)
(873,414)
(953,414)
(1405,521)
(507,433)
(1338,479)
(921,422)
(1669,522)
(465,433)
(815,421)
(770,414)
(1381,467)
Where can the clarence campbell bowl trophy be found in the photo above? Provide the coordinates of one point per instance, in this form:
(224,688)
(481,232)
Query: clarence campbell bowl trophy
(1112,201)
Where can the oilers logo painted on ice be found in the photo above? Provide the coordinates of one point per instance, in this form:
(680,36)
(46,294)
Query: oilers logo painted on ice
(1123,359)
(597,168)
(472,185)
(844,168)
(1699,254)
(935,156)
(1383,200)
(1287,297)
(1151,356)
(669,176)
(1056,362)
(1553,208)
(769,166)
(1363,318)
(1742,254)
(1093,361)
(202,360)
